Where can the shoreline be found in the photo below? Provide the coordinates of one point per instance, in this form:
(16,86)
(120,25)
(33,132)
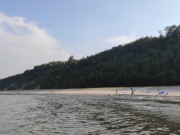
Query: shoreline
(146,91)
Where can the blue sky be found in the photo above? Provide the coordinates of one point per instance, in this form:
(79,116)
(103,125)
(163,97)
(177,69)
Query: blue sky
(33,32)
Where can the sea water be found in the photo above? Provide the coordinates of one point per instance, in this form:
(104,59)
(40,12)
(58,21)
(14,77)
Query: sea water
(53,114)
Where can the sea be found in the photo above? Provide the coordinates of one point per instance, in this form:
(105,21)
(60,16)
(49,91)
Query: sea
(62,114)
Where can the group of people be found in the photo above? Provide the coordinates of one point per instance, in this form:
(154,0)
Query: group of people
(133,90)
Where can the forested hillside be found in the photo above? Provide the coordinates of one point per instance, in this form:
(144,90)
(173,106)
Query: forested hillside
(147,61)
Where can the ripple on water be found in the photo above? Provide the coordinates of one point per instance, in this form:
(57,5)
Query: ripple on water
(87,114)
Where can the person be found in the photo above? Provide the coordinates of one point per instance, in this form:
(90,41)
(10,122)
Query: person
(116,92)
(132,91)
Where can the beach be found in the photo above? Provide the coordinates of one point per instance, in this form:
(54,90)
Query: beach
(149,91)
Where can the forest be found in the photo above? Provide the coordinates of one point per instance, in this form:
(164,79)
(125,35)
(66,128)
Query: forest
(148,61)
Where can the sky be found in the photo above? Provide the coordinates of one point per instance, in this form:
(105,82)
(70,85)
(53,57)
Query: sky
(34,32)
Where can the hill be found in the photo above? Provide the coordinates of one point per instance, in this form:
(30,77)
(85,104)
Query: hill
(146,61)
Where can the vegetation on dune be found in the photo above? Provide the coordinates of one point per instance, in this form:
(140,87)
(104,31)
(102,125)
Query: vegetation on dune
(147,61)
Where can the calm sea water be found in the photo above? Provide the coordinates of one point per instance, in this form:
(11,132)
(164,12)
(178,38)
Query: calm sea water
(88,115)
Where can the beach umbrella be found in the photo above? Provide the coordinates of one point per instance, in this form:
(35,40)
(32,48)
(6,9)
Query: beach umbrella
(163,93)
(145,90)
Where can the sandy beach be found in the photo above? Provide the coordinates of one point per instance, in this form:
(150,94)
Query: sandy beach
(168,90)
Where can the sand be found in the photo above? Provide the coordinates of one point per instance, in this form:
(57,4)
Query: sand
(169,90)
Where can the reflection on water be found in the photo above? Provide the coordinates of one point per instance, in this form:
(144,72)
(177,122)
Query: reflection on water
(88,114)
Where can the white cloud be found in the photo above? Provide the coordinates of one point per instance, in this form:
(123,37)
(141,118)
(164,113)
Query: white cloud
(23,45)
(121,39)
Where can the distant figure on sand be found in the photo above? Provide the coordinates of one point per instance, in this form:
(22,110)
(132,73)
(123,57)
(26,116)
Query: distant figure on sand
(116,92)
(132,91)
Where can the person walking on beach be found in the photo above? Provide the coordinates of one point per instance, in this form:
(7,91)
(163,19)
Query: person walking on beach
(132,91)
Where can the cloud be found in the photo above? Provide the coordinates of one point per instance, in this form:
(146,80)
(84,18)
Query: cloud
(24,44)
(121,39)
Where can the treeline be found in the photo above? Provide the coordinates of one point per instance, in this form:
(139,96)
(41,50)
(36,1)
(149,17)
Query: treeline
(147,61)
